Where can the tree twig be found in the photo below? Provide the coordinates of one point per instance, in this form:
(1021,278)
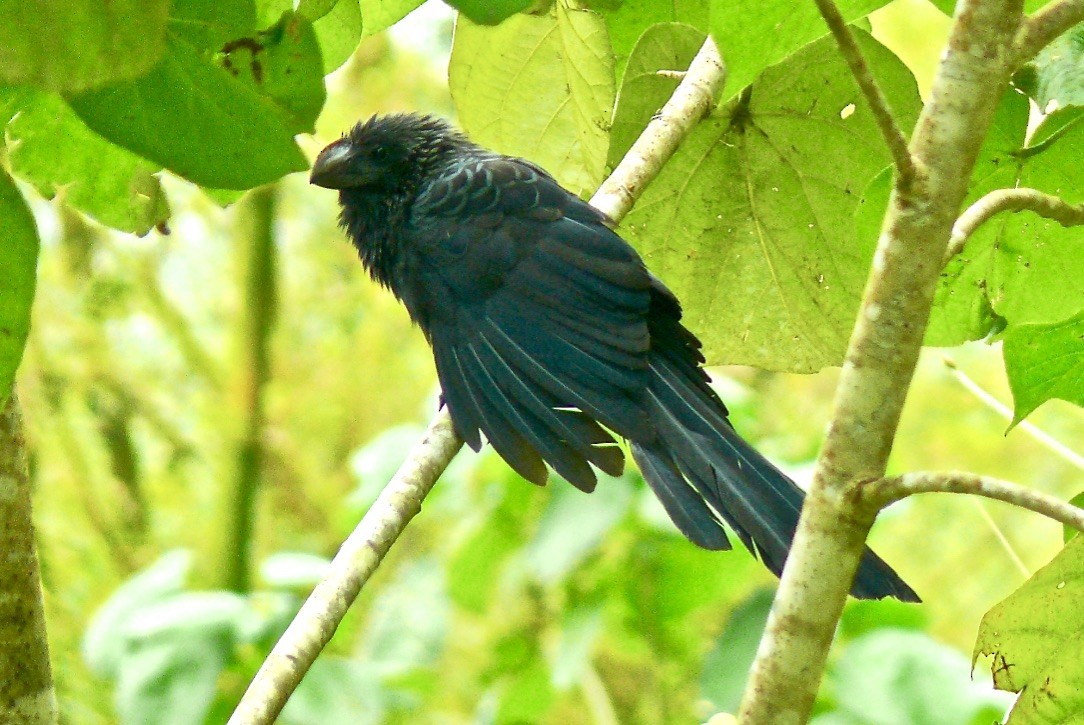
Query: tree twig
(401,499)
(1043,26)
(880,363)
(1045,439)
(882,113)
(1045,205)
(888,490)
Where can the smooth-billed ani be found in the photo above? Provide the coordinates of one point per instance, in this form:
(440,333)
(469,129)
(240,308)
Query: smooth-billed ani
(548,332)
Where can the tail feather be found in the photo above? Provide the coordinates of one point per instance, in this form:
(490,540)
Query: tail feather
(705,473)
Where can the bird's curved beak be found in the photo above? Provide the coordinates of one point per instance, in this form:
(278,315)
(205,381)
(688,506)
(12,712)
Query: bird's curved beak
(333,169)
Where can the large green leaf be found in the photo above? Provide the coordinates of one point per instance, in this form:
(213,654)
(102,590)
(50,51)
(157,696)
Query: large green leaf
(1055,78)
(53,149)
(752,34)
(961,308)
(211,24)
(1044,362)
(632,18)
(665,46)
(489,12)
(379,15)
(540,87)
(79,44)
(18,270)
(338,33)
(1027,633)
(750,222)
(197,120)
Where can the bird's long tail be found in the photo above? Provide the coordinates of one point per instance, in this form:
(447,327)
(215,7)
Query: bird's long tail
(703,471)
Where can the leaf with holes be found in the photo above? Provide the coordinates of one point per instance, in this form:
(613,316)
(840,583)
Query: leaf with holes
(751,226)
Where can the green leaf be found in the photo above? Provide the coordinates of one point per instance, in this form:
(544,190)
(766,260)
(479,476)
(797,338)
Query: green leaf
(1057,72)
(102,648)
(1027,631)
(489,12)
(540,87)
(338,33)
(1058,697)
(283,63)
(753,35)
(573,525)
(79,44)
(632,18)
(726,667)
(962,310)
(315,9)
(293,570)
(666,46)
(197,120)
(1044,362)
(51,148)
(210,24)
(18,269)
(382,14)
(903,676)
(754,231)
(527,694)
(1068,532)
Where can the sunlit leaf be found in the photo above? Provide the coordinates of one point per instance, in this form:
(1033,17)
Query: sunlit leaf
(197,120)
(726,667)
(666,46)
(631,18)
(753,230)
(903,676)
(102,648)
(210,24)
(540,87)
(18,269)
(489,12)
(573,525)
(753,35)
(1025,632)
(338,33)
(379,15)
(1045,362)
(53,149)
(79,44)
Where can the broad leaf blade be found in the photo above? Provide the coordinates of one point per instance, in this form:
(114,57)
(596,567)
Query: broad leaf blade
(1044,362)
(751,227)
(753,35)
(18,270)
(79,44)
(506,84)
(53,149)
(196,120)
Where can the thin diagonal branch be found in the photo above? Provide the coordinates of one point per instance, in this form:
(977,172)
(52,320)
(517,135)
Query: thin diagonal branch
(1045,205)
(401,499)
(1043,26)
(893,135)
(888,490)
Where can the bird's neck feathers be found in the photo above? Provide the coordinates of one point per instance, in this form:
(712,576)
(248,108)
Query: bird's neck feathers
(371,219)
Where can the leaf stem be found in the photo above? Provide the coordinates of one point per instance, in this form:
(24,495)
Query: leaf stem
(906,168)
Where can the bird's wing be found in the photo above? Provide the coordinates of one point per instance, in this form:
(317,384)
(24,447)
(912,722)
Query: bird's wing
(537,316)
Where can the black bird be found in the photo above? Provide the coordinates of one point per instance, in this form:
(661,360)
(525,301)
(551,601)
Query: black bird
(548,332)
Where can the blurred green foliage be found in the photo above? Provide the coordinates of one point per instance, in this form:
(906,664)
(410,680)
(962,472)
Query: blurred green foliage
(503,603)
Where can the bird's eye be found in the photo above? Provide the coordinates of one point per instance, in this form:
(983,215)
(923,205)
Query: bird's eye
(380,154)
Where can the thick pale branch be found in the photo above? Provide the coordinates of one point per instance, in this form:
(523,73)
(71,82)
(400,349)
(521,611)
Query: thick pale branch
(401,500)
(888,490)
(1022,199)
(893,135)
(1043,26)
(880,361)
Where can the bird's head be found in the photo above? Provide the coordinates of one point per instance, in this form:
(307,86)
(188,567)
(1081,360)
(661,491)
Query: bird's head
(385,153)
